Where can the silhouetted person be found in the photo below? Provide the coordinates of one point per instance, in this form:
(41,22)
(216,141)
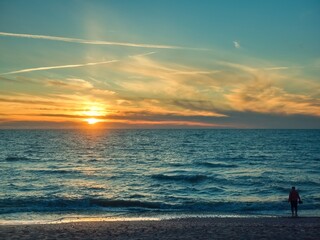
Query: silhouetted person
(294,199)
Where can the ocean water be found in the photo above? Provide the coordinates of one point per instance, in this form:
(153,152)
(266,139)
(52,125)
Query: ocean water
(48,175)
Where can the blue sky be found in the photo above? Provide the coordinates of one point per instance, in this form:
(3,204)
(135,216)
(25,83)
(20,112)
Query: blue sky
(160,63)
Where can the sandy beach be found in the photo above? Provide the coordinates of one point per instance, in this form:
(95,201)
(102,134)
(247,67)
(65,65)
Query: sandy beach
(186,228)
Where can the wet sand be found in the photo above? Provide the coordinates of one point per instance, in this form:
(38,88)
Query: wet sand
(185,228)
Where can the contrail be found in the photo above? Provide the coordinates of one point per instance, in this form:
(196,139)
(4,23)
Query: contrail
(93,42)
(58,67)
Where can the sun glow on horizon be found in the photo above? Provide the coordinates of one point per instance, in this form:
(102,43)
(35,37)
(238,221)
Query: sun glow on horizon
(93,113)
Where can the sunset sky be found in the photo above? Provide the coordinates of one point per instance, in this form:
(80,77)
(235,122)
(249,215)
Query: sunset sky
(160,64)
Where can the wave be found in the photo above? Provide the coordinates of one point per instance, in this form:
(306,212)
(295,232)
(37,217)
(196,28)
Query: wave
(185,178)
(99,204)
(218,165)
(282,189)
(125,203)
(85,204)
(17,159)
(51,171)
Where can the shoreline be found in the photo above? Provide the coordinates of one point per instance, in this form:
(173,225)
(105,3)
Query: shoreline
(43,219)
(177,228)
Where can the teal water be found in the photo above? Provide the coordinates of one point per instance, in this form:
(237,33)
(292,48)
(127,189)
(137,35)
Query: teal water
(48,174)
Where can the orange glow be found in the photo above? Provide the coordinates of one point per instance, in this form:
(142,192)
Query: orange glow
(92,121)
(93,111)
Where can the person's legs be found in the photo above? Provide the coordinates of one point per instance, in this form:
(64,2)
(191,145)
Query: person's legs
(292,208)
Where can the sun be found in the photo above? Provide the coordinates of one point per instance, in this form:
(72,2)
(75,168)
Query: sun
(92,121)
(93,114)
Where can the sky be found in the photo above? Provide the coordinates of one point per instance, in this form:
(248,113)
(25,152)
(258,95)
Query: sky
(159,64)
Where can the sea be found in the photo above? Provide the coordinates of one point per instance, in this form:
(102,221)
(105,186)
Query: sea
(49,176)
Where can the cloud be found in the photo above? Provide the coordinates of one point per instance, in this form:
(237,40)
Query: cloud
(93,42)
(198,107)
(58,67)
(246,68)
(145,67)
(143,54)
(145,118)
(24,101)
(276,68)
(166,124)
(166,87)
(194,72)
(3,79)
(236,44)
(262,91)
(70,83)
(143,90)
(265,98)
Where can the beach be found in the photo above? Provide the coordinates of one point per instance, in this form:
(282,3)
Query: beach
(184,228)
